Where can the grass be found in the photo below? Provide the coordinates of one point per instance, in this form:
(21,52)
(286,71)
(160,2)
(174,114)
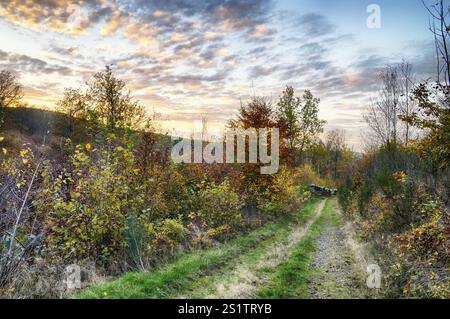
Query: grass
(189,268)
(204,285)
(290,279)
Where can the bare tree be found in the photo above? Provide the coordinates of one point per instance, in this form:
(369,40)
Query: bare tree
(10,91)
(382,115)
(335,145)
(74,106)
(440,27)
(408,104)
(17,237)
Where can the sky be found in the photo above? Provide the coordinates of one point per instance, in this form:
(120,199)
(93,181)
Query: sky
(191,59)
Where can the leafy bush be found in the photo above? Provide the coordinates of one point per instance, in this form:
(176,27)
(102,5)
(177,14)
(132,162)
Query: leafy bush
(398,206)
(423,254)
(218,213)
(307,175)
(166,235)
(428,239)
(283,196)
(87,218)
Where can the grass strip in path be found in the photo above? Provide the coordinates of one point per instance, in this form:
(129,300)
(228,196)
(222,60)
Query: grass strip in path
(290,279)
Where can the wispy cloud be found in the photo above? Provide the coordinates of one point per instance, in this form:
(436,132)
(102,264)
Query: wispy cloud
(27,64)
(191,57)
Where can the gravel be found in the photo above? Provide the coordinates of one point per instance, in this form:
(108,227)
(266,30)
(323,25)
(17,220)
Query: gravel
(334,268)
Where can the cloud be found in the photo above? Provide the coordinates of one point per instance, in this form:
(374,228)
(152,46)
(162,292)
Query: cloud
(260,71)
(241,14)
(71,51)
(57,16)
(314,25)
(27,64)
(175,21)
(234,13)
(197,78)
(424,61)
(117,20)
(193,56)
(373,61)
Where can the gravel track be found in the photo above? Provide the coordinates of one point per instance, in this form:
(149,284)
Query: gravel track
(338,266)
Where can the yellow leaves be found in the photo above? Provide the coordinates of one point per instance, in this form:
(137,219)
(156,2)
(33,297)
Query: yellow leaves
(93,217)
(80,157)
(397,267)
(150,227)
(76,194)
(24,153)
(4,150)
(400,177)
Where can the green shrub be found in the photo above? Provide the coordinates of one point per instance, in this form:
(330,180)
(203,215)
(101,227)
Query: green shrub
(283,196)
(164,236)
(218,213)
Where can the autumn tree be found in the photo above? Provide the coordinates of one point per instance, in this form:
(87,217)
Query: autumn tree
(299,123)
(328,157)
(257,113)
(152,150)
(433,100)
(10,91)
(319,158)
(433,116)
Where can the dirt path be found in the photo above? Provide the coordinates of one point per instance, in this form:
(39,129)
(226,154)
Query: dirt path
(246,278)
(339,265)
